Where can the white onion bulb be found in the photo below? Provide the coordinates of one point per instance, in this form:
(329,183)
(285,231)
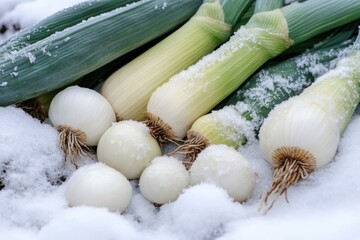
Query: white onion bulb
(164,180)
(226,168)
(128,147)
(98,185)
(82,109)
(303,124)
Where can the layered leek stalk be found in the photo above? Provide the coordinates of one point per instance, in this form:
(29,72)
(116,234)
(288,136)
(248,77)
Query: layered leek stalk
(129,88)
(175,105)
(302,134)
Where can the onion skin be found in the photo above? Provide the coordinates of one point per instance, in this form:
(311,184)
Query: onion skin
(98,185)
(164,180)
(128,147)
(226,168)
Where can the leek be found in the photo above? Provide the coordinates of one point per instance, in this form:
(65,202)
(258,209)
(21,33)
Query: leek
(175,105)
(302,134)
(128,89)
(245,111)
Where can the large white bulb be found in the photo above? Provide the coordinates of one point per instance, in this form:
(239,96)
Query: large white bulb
(98,185)
(226,168)
(128,147)
(82,109)
(302,125)
(164,180)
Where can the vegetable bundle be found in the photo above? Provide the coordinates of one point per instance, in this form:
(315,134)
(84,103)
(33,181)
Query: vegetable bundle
(175,105)
(48,60)
(245,111)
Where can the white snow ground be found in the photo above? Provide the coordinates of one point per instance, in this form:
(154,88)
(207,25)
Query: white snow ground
(32,206)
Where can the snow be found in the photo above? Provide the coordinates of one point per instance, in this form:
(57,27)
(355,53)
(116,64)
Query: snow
(33,205)
(325,206)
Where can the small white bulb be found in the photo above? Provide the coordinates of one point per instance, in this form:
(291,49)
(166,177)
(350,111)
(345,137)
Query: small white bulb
(98,185)
(128,147)
(164,180)
(226,168)
(82,109)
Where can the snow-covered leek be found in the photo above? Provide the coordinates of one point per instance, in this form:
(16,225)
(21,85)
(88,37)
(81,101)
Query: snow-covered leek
(302,134)
(128,147)
(175,105)
(98,185)
(226,168)
(164,180)
(81,116)
(129,88)
(244,112)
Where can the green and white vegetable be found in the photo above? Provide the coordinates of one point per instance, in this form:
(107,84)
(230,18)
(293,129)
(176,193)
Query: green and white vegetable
(226,168)
(81,116)
(98,185)
(65,56)
(245,110)
(128,147)
(175,105)
(129,88)
(302,134)
(164,180)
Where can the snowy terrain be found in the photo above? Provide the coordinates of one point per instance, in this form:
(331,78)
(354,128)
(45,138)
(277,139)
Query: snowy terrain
(326,206)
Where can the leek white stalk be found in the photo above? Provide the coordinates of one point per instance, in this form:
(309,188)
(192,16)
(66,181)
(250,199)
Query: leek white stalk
(129,88)
(128,147)
(302,134)
(164,180)
(98,185)
(81,116)
(175,105)
(226,168)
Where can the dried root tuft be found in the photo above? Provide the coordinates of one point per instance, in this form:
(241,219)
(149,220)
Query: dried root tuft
(160,130)
(194,144)
(34,108)
(291,164)
(72,142)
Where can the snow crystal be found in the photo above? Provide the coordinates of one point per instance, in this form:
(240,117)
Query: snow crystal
(31,57)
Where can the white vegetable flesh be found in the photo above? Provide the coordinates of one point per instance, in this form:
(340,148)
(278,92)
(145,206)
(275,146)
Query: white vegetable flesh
(128,147)
(98,185)
(164,180)
(226,168)
(82,109)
